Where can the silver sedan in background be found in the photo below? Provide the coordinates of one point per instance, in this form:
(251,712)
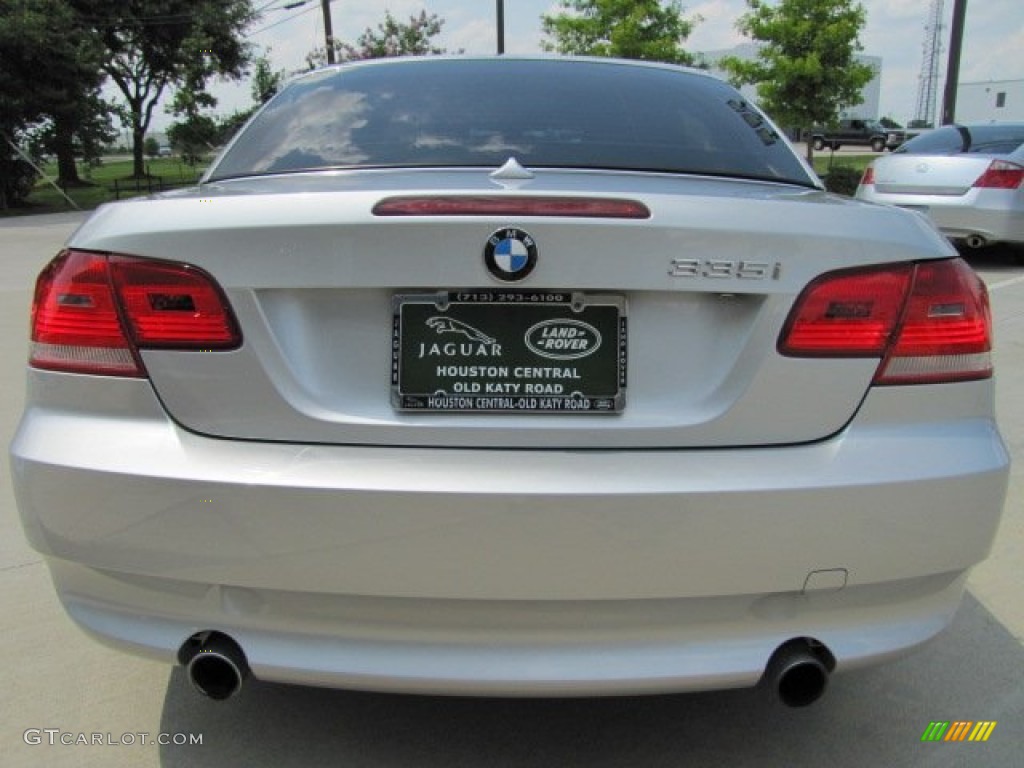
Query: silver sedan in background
(969,179)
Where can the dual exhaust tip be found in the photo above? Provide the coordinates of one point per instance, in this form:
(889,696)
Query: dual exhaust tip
(796,675)
(215,664)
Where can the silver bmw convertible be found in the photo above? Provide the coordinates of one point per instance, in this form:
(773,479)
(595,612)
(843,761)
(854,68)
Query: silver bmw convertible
(510,376)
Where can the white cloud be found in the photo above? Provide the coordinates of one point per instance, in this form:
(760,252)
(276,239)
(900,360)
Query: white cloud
(717,30)
(474,36)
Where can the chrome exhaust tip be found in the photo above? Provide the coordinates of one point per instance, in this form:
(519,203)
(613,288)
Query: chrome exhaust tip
(797,673)
(216,665)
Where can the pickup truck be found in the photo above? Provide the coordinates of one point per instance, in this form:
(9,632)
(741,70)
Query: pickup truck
(866,133)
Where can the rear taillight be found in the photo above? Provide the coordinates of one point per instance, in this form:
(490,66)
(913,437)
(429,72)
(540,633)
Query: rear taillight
(928,322)
(92,313)
(1001,175)
(869,176)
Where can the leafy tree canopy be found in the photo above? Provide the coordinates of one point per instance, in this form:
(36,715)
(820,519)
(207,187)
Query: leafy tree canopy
(49,87)
(266,81)
(197,135)
(153,44)
(806,70)
(391,38)
(633,29)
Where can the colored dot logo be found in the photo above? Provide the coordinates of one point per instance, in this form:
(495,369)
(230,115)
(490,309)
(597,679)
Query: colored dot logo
(958,730)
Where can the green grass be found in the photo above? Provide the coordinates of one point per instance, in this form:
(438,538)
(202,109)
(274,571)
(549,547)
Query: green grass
(825,160)
(102,178)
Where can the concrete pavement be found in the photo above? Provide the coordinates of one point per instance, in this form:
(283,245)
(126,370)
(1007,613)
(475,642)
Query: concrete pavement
(60,685)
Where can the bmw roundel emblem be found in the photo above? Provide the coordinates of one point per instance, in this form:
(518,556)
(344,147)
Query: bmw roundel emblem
(510,254)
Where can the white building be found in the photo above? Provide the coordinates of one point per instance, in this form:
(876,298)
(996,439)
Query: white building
(997,101)
(870,104)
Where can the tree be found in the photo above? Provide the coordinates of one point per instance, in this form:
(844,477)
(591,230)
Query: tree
(266,82)
(806,69)
(50,79)
(198,134)
(152,44)
(391,38)
(632,29)
(194,137)
(78,130)
(19,30)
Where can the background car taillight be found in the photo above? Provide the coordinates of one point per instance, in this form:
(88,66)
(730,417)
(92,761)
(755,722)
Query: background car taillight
(928,322)
(1001,175)
(92,312)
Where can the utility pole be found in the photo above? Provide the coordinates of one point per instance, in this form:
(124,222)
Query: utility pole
(501,26)
(953,67)
(328,32)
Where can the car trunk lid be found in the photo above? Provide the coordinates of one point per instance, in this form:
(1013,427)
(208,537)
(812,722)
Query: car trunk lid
(698,294)
(941,175)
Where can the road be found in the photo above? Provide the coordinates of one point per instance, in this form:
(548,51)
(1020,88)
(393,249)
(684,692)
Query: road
(60,685)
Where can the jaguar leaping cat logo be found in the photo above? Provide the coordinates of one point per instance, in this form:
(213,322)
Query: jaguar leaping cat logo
(443,325)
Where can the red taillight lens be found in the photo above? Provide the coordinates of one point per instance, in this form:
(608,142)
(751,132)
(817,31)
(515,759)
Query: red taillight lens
(946,333)
(172,305)
(869,176)
(1001,175)
(92,312)
(847,314)
(75,320)
(928,322)
(518,205)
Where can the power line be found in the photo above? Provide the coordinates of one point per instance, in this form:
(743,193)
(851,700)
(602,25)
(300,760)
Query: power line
(261,9)
(282,21)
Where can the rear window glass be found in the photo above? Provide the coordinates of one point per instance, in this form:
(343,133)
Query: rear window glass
(957,139)
(450,112)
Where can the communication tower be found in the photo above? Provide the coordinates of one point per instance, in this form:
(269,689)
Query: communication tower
(928,80)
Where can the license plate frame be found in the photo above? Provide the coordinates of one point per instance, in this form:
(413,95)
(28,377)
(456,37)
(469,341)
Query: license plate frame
(507,351)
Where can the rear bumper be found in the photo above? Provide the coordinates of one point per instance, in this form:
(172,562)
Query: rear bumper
(507,648)
(991,214)
(511,572)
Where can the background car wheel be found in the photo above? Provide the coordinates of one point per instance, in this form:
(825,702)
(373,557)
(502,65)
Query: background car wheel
(877,145)
(818,145)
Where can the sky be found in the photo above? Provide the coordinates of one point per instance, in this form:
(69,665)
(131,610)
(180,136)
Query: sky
(993,41)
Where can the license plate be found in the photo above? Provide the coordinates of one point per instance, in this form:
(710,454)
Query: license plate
(509,352)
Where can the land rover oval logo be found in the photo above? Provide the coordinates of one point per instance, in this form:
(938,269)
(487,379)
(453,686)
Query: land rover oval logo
(563,339)
(510,254)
